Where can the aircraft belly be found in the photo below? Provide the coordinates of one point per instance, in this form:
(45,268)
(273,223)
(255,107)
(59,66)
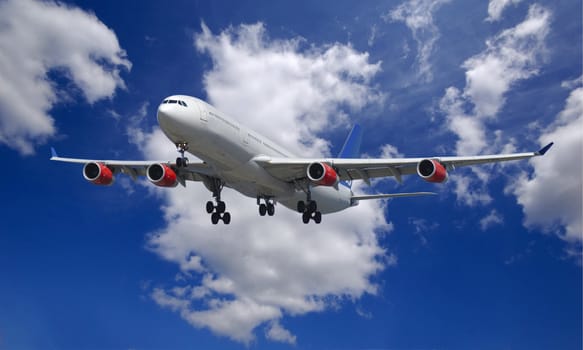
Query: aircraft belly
(329,199)
(252,180)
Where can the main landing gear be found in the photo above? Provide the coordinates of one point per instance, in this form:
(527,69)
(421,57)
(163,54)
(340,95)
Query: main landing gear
(309,210)
(266,208)
(218,211)
(181,161)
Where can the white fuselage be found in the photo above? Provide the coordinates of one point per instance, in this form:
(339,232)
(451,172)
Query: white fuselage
(229,149)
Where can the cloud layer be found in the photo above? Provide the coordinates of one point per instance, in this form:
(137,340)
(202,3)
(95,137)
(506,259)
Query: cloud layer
(258,269)
(496,7)
(42,38)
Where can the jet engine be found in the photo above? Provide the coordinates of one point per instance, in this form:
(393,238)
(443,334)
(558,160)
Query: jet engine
(98,173)
(432,171)
(322,174)
(162,175)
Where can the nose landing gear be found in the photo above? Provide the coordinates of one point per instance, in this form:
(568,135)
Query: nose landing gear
(181,161)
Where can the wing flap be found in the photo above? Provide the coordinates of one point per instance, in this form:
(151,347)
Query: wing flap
(392,195)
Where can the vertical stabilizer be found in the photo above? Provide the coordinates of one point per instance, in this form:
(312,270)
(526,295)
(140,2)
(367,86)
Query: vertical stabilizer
(351,148)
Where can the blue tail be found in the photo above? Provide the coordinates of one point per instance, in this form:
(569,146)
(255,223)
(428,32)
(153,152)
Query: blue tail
(351,148)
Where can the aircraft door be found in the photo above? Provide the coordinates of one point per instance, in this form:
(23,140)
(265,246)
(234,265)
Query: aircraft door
(203,113)
(244,136)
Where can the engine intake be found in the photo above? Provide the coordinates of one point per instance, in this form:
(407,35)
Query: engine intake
(432,171)
(322,174)
(162,175)
(98,173)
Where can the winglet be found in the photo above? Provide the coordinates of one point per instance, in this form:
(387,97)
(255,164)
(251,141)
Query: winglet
(542,151)
(53,153)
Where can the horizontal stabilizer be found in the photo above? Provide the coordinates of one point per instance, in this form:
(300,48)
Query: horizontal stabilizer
(393,195)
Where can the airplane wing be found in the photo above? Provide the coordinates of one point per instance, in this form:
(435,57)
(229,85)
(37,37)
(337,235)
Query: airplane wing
(193,172)
(294,169)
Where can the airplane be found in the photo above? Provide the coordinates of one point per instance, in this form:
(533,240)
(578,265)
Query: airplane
(231,155)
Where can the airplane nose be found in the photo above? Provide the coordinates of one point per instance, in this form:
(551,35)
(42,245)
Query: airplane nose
(168,116)
(163,114)
(172,119)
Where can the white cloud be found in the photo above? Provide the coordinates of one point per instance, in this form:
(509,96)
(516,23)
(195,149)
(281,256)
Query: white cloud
(278,333)
(511,56)
(469,129)
(38,38)
(374,30)
(468,191)
(492,219)
(259,269)
(551,196)
(418,16)
(296,95)
(496,7)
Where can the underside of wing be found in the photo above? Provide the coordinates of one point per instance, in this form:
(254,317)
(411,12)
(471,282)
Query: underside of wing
(161,173)
(432,169)
(347,169)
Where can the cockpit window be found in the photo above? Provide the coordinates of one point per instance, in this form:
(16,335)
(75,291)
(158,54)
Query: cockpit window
(180,102)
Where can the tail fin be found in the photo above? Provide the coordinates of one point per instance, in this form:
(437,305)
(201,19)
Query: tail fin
(351,148)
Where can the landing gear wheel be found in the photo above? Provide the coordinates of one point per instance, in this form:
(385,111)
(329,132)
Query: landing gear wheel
(312,206)
(221,206)
(301,206)
(270,209)
(317,217)
(262,209)
(306,217)
(210,207)
(226,218)
(181,161)
(215,217)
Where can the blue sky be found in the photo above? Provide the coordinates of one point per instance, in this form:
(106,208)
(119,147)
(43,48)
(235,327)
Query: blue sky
(493,261)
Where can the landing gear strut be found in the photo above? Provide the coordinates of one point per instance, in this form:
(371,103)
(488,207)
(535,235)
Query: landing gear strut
(218,211)
(181,161)
(266,208)
(309,210)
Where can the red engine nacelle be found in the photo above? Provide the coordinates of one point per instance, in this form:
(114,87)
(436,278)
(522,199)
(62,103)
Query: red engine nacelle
(431,170)
(162,175)
(322,174)
(98,173)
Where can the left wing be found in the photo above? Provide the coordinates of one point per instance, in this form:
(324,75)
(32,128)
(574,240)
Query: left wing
(433,169)
(101,171)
